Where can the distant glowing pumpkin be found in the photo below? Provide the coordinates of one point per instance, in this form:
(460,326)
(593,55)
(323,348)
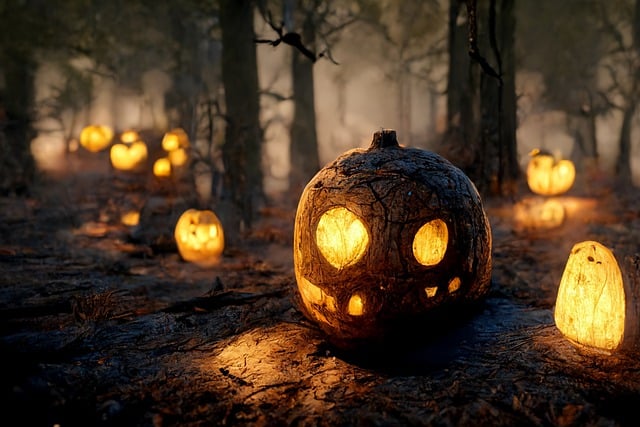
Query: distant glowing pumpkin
(592,300)
(128,157)
(129,136)
(199,237)
(384,236)
(549,176)
(175,139)
(130,218)
(162,167)
(178,157)
(96,137)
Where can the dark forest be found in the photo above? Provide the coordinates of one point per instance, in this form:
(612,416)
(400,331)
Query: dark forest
(320,212)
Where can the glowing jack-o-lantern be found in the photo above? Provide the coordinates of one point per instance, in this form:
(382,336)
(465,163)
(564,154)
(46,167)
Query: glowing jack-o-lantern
(199,237)
(597,304)
(387,235)
(130,218)
(162,167)
(96,137)
(549,176)
(175,139)
(129,156)
(129,136)
(178,157)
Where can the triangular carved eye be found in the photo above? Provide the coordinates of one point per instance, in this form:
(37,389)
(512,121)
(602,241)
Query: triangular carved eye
(341,237)
(430,242)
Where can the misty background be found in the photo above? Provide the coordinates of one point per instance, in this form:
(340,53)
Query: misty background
(156,65)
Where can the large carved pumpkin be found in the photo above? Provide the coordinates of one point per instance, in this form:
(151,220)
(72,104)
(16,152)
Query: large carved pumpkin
(385,235)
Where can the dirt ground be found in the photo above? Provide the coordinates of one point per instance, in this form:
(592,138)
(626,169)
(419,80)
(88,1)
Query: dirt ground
(104,324)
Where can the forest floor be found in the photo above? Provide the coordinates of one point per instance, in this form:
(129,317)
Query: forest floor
(103,326)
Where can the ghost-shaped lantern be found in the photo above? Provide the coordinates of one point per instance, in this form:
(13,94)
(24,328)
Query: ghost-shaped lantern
(598,303)
(386,234)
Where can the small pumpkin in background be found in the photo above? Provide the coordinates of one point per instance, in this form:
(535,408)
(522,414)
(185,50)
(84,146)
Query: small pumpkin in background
(130,154)
(384,236)
(130,218)
(175,143)
(175,139)
(548,175)
(598,302)
(162,167)
(129,136)
(199,237)
(96,138)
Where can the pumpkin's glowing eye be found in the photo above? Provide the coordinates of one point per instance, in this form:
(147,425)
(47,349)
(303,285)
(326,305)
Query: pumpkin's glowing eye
(356,305)
(341,237)
(430,242)
(590,306)
(454,285)
(431,291)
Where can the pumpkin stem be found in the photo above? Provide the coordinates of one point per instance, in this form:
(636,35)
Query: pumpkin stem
(384,138)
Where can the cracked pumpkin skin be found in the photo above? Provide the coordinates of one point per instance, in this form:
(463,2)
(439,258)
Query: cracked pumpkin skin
(385,235)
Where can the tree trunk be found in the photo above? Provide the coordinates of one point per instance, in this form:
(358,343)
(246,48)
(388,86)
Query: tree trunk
(462,116)
(583,129)
(495,169)
(623,165)
(404,105)
(509,171)
(241,150)
(17,165)
(303,147)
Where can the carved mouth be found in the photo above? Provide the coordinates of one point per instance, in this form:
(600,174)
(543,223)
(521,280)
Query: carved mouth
(312,294)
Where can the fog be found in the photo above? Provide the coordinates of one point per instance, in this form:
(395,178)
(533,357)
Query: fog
(353,99)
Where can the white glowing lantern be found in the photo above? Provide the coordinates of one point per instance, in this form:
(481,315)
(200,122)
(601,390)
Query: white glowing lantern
(597,304)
